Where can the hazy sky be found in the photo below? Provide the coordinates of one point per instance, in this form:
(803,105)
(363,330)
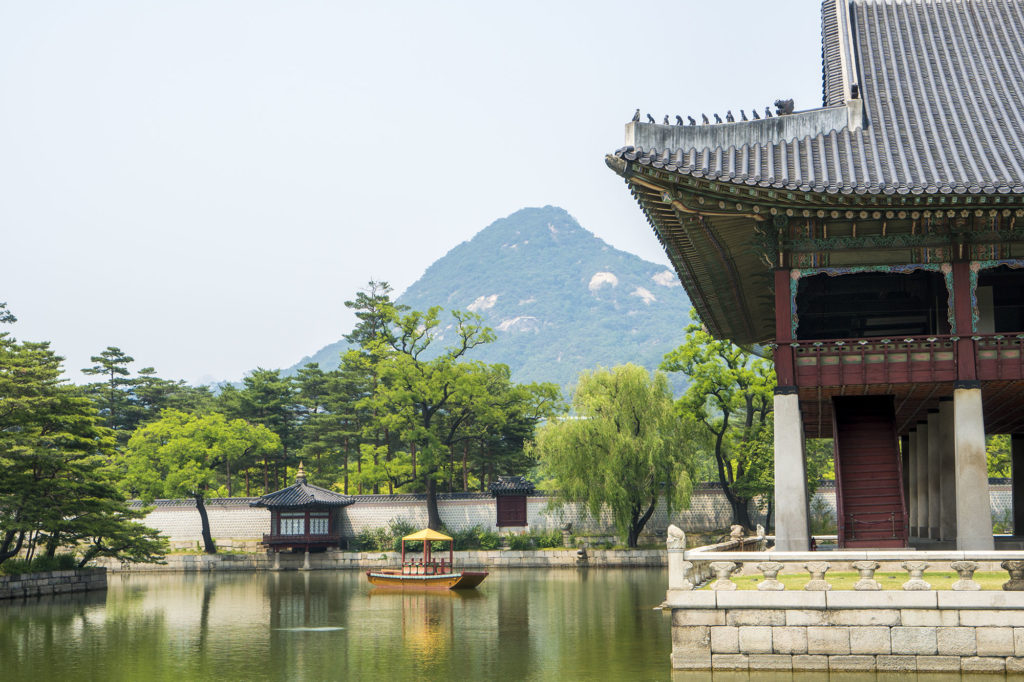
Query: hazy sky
(203,184)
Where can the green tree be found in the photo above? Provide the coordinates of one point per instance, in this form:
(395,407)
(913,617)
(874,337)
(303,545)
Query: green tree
(624,449)
(188,455)
(997,452)
(114,394)
(55,486)
(731,396)
(269,399)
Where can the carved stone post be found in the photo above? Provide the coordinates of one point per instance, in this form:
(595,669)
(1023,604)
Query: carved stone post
(277,561)
(678,569)
(1016,571)
(916,571)
(867,575)
(724,569)
(770,570)
(965,569)
(817,569)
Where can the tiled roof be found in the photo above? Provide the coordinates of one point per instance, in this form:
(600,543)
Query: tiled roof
(511,485)
(941,83)
(302,494)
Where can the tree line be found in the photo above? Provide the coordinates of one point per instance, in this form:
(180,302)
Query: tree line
(407,411)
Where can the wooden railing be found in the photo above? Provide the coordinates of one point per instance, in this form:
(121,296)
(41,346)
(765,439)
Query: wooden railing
(907,359)
(999,356)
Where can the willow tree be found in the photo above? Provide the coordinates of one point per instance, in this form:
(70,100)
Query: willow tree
(731,396)
(624,449)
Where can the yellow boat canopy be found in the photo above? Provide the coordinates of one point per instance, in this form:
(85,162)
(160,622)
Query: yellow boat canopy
(426,534)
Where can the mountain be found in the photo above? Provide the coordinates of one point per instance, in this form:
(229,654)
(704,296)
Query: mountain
(559,299)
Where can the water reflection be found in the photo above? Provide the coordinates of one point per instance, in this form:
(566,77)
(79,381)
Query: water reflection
(561,624)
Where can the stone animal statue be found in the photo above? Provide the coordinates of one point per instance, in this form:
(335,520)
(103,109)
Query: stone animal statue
(676,538)
(783,107)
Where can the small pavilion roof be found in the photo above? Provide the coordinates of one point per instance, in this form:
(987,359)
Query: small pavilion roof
(426,534)
(511,485)
(302,494)
(920,97)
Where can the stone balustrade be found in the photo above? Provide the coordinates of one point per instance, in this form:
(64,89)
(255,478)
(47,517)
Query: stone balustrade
(812,626)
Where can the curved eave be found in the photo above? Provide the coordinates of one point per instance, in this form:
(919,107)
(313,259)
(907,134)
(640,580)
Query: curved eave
(715,255)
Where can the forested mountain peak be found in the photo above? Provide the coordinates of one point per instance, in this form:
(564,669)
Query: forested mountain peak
(560,299)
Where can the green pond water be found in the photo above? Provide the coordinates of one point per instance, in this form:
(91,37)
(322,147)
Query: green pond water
(519,624)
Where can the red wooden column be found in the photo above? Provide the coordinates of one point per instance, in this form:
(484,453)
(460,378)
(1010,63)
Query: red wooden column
(785,372)
(965,358)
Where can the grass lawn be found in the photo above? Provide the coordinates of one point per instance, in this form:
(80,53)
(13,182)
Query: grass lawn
(939,580)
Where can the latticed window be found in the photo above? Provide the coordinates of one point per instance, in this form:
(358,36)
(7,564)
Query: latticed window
(318,523)
(293,524)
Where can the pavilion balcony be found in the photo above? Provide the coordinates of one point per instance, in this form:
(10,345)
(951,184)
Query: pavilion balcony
(905,359)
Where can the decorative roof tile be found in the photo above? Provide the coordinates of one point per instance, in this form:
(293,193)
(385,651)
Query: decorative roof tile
(302,494)
(941,86)
(511,485)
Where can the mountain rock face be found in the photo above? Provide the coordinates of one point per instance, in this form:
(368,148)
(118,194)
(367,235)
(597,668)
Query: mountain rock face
(559,299)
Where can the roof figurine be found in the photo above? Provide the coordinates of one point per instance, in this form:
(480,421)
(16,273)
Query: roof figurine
(729,117)
(743,115)
(757,117)
(650,119)
(636,116)
(679,120)
(690,119)
(718,119)
(783,107)
(665,122)
(704,118)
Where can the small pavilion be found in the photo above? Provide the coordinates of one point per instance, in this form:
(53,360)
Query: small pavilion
(303,516)
(873,244)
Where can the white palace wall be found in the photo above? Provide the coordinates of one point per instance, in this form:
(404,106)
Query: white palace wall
(234,522)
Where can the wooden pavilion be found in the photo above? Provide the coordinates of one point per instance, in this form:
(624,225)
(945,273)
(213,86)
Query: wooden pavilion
(303,516)
(876,244)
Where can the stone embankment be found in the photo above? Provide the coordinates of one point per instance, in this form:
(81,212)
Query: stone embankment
(820,628)
(52,582)
(472,559)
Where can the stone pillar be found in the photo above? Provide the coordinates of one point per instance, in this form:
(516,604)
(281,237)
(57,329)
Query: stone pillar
(792,533)
(1017,481)
(921,455)
(947,465)
(973,509)
(934,476)
(305,561)
(911,473)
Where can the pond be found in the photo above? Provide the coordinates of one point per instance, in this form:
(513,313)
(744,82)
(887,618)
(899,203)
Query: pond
(520,624)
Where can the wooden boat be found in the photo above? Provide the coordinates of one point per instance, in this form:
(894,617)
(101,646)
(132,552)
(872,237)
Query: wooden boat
(426,573)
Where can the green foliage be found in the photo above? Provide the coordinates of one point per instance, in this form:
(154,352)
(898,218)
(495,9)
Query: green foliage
(625,449)
(374,540)
(730,397)
(822,517)
(39,564)
(997,454)
(184,455)
(520,541)
(56,488)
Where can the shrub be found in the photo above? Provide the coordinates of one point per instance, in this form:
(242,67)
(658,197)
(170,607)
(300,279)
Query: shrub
(551,538)
(519,542)
(59,562)
(398,529)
